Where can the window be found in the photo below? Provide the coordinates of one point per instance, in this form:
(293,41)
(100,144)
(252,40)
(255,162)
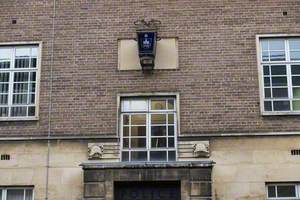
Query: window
(18,81)
(16,193)
(283,191)
(280,69)
(148,129)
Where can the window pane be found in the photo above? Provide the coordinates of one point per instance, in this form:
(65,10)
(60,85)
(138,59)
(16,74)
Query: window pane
(295,55)
(267,81)
(296,80)
(33,76)
(5,55)
(267,93)
(158,119)
(138,142)
(279,81)
(286,191)
(21,76)
(280,92)
(264,45)
(271,191)
(158,131)
(277,56)
(171,104)
(171,143)
(125,131)
(3,99)
(170,118)
(138,119)
(29,194)
(158,105)
(296,92)
(294,44)
(276,44)
(172,155)
(266,70)
(138,156)
(20,99)
(295,69)
(3,87)
(34,51)
(4,64)
(33,62)
(3,111)
(4,77)
(31,99)
(125,143)
(170,130)
(158,155)
(20,87)
(23,52)
(140,105)
(265,56)
(278,70)
(125,156)
(15,194)
(281,105)
(31,111)
(126,119)
(0,194)
(22,63)
(296,105)
(158,142)
(268,105)
(32,87)
(138,131)
(134,105)
(22,57)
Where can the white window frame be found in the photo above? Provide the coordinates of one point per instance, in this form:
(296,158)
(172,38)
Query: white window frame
(148,96)
(297,187)
(4,191)
(38,76)
(261,75)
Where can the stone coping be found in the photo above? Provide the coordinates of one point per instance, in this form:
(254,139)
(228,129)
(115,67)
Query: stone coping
(134,165)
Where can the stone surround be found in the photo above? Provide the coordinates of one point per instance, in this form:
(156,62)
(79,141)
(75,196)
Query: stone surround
(194,177)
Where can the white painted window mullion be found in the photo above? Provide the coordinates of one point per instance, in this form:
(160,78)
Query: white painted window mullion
(289,76)
(4,194)
(11,82)
(148,133)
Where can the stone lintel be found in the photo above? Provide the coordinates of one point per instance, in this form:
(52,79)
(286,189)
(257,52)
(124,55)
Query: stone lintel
(137,165)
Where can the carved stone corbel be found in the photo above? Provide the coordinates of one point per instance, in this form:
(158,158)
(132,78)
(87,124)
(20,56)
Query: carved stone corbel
(201,149)
(95,151)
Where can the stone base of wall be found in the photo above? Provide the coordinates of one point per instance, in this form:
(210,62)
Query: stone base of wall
(194,178)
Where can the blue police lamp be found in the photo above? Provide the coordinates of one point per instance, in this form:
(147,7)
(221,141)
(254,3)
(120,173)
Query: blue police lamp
(147,38)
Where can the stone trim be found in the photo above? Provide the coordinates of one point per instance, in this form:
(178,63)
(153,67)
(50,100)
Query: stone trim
(181,137)
(136,165)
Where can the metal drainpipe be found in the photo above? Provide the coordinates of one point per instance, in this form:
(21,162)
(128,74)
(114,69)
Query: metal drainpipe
(50,102)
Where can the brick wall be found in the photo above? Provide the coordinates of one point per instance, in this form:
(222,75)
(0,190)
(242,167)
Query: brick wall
(217,77)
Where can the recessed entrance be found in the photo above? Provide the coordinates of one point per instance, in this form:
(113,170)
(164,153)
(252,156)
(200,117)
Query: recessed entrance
(160,190)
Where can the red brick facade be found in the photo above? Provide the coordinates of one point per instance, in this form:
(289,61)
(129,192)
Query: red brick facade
(217,77)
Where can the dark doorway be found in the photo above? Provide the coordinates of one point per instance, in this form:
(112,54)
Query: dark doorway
(160,190)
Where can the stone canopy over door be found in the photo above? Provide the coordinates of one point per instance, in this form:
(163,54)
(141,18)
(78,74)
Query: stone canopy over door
(129,181)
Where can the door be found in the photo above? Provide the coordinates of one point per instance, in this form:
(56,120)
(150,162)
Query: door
(147,190)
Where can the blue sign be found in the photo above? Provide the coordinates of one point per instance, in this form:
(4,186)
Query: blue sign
(146,42)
